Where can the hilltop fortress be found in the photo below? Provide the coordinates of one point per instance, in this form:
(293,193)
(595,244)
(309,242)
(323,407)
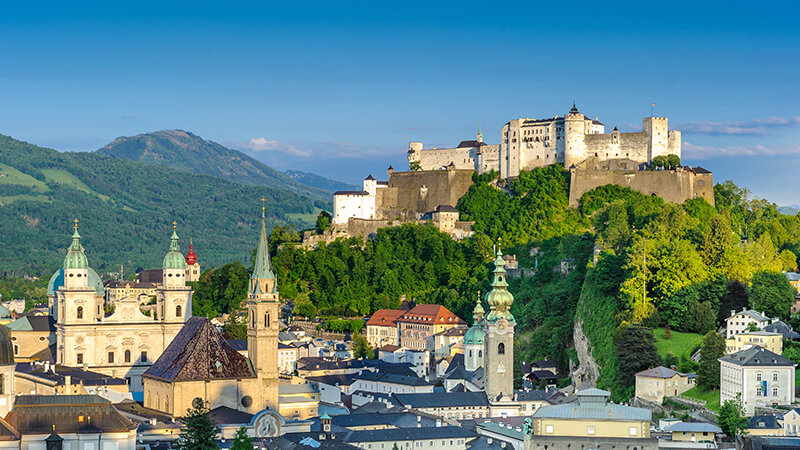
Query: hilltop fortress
(438,177)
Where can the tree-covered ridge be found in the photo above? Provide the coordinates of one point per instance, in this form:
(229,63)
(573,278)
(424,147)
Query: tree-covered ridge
(125,209)
(183,150)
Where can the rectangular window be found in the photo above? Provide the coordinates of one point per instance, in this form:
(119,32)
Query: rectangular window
(590,430)
(111,357)
(633,431)
(548,429)
(774,377)
(79,358)
(758,376)
(144,357)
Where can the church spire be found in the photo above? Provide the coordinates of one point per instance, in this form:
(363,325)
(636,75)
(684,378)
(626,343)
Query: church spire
(499,298)
(76,258)
(478,312)
(174,259)
(262,268)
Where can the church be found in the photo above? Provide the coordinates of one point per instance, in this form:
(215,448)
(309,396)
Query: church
(124,343)
(200,363)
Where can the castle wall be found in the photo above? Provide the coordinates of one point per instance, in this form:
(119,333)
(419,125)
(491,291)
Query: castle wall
(628,145)
(674,186)
(433,159)
(409,195)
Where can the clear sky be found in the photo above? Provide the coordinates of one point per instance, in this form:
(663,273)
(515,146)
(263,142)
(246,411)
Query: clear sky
(339,88)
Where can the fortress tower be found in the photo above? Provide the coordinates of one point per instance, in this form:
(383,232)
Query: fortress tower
(263,308)
(574,133)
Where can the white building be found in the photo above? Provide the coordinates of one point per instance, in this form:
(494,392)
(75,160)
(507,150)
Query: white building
(357,204)
(473,155)
(761,377)
(739,322)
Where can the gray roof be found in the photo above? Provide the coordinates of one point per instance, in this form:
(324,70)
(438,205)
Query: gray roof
(392,378)
(33,323)
(754,314)
(782,328)
(663,372)
(443,399)
(592,404)
(333,380)
(757,356)
(792,276)
(409,434)
(696,427)
(764,423)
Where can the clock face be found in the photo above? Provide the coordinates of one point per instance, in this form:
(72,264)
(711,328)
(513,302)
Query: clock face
(501,326)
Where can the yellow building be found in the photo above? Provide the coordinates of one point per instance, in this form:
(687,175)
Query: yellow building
(298,401)
(593,416)
(765,426)
(32,336)
(791,423)
(770,341)
(694,432)
(659,382)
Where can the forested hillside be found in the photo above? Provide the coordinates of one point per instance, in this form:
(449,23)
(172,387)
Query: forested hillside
(125,209)
(658,264)
(183,150)
(326,184)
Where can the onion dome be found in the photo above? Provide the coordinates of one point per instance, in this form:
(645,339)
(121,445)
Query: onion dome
(574,109)
(57,281)
(174,259)
(191,257)
(499,298)
(76,258)
(6,349)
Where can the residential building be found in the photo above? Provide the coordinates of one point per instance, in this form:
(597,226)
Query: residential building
(423,321)
(32,337)
(770,341)
(739,322)
(794,280)
(791,422)
(394,354)
(67,421)
(659,382)
(783,328)
(449,405)
(46,379)
(368,381)
(287,358)
(298,401)
(592,417)
(447,343)
(693,432)
(382,327)
(331,387)
(761,377)
(765,426)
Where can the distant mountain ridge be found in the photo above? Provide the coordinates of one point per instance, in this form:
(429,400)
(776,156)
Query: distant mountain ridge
(126,210)
(320,182)
(184,150)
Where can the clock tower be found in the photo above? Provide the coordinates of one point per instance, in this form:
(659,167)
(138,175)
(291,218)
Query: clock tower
(498,328)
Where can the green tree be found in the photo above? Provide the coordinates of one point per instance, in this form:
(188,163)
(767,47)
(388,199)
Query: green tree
(732,419)
(323,221)
(242,441)
(735,298)
(361,347)
(198,432)
(788,260)
(771,293)
(636,351)
(304,307)
(414,166)
(673,161)
(712,348)
(700,318)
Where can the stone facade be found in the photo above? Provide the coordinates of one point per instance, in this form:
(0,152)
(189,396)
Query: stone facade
(675,186)
(468,155)
(125,343)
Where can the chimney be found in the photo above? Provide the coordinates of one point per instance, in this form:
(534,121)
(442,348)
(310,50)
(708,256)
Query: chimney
(489,440)
(439,423)
(733,312)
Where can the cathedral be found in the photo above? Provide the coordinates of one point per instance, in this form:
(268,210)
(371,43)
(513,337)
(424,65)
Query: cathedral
(125,342)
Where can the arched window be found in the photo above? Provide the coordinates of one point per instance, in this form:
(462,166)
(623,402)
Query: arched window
(480,353)
(2,385)
(127,356)
(470,353)
(158,400)
(149,400)
(253,319)
(178,311)
(266,321)
(501,349)
(166,403)
(80,312)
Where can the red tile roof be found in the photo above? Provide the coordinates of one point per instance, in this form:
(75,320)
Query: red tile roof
(430,314)
(385,317)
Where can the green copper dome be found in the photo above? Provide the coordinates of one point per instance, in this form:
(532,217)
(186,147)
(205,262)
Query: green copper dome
(57,281)
(76,258)
(174,259)
(474,335)
(499,298)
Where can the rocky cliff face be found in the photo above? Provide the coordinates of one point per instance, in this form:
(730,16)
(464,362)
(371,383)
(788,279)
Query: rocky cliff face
(587,370)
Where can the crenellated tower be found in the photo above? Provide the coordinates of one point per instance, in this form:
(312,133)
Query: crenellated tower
(263,309)
(498,329)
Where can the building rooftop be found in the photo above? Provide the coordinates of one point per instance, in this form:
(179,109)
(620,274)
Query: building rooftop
(37,414)
(757,356)
(392,378)
(760,317)
(390,348)
(44,324)
(351,193)
(663,372)
(764,423)
(199,352)
(442,399)
(430,314)
(409,434)
(57,375)
(694,427)
(340,379)
(385,317)
(593,404)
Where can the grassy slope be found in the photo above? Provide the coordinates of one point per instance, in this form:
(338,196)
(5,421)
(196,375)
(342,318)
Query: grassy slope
(710,397)
(680,343)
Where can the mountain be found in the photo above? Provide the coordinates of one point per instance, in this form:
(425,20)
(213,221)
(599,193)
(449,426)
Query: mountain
(183,150)
(320,182)
(790,210)
(126,210)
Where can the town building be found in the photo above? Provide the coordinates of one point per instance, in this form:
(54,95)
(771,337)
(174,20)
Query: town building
(761,377)
(66,422)
(124,343)
(765,425)
(287,358)
(770,341)
(592,419)
(7,367)
(659,382)
(382,327)
(32,337)
(739,322)
(192,265)
(448,405)
(498,330)
(298,401)
(50,379)
(447,343)
(791,422)
(423,321)
(199,362)
(696,432)
(148,281)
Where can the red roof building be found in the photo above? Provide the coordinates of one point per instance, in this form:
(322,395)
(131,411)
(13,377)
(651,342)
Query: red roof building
(422,322)
(382,327)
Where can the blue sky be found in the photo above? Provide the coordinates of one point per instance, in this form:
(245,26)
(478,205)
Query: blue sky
(333,88)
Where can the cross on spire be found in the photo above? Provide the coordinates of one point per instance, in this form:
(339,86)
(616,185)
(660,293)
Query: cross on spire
(76,224)
(174,225)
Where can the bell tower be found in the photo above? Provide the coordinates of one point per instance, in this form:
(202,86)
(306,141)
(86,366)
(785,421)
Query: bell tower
(75,301)
(263,309)
(498,328)
(173,297)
